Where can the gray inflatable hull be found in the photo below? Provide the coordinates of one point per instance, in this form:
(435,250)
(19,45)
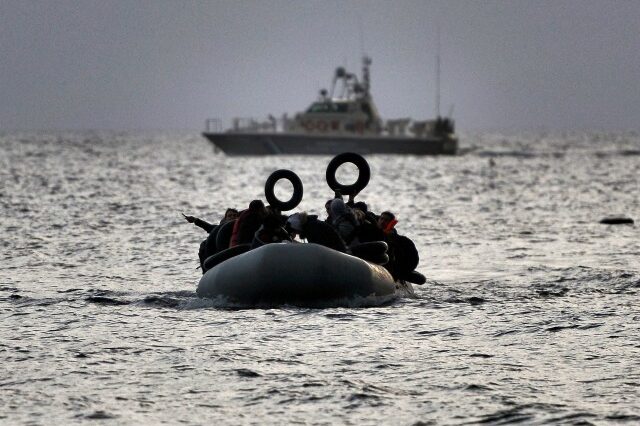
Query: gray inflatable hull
(306,274)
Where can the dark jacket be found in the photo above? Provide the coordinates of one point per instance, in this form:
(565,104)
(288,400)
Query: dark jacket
(266,235)
(320,232)
(368,230)
(208,246)
(204,225)
(343,220)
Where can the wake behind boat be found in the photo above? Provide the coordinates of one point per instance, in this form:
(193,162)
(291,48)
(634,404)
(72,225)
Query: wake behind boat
(344,119)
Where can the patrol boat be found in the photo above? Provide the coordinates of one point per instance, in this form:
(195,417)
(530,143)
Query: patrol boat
(342,119)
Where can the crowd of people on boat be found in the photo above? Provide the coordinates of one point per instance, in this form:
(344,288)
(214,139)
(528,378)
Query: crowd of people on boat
(347,228)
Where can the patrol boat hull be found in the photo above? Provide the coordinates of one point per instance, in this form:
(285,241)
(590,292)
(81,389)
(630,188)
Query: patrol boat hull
(302,144)
(300,274)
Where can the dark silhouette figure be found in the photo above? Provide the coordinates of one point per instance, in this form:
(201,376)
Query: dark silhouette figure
(315,231)
(248,223)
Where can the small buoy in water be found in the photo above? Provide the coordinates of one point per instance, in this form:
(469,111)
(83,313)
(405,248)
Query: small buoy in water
(616,220)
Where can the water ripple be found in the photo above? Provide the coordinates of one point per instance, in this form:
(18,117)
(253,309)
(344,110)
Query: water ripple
(528,314)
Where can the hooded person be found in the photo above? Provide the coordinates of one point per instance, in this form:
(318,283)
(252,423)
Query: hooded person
(315,231)
(343,220)
(327,207)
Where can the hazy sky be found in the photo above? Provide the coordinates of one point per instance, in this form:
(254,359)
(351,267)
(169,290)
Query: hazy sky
(154,64)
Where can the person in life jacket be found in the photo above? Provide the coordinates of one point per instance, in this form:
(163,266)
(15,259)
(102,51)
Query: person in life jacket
(315,231)
(403,255)
(248,223)
(386,223)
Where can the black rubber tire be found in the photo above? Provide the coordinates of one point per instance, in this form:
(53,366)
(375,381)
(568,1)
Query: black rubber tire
(364,173)
(372,248)
(405,254)
(271,196)
(224,236)
(378,259)
(227,254)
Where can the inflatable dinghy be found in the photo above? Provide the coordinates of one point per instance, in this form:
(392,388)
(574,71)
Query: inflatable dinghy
(306,274)
(300,274)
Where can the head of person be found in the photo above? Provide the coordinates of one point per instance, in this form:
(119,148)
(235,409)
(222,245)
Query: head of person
(362,206)
(271,210)
(295,223)
(385,219)
(338,208)
(257,206)
(231,214)
(359,214)
(272,221)
(327,206)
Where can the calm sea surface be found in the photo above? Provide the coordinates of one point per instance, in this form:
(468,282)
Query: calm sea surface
(531,313)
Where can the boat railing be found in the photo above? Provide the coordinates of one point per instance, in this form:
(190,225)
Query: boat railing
(401,127)
(213,125)
(252,125)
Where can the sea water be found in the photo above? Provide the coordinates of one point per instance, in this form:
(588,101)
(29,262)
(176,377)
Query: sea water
(531,313)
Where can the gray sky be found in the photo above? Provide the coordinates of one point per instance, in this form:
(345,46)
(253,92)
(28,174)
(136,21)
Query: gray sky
(155,64)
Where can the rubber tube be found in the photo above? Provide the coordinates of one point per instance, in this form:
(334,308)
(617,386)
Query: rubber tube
(218,258)
(370,248)
(224,236)
(269,187)
(364,173)
(414,277)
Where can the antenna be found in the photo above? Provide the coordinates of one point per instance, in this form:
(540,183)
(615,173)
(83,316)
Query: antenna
(361,36)
(438,73)
(366,60)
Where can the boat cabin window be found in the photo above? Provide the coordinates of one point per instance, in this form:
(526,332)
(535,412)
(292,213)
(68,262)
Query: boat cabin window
(328,107)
